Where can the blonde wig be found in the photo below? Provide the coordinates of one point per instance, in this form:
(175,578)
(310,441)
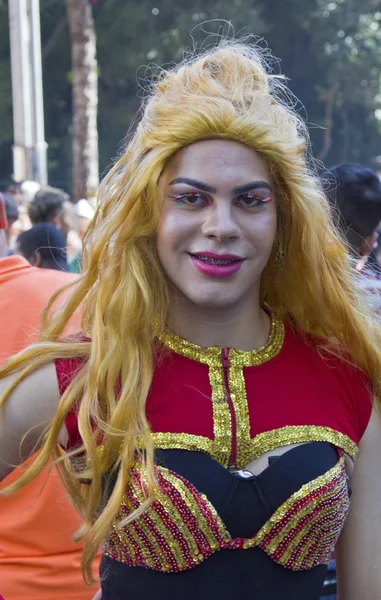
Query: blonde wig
(123,297)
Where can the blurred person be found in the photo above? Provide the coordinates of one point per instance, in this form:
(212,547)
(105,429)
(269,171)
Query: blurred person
(52,205)
(354,194)
(84,213)
(12,213)
(23,193)
(44,246)
(38,559)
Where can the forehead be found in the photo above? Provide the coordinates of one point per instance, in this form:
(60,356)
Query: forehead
(209,160)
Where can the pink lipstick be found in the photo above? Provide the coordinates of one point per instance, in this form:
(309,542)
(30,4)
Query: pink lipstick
(217,265)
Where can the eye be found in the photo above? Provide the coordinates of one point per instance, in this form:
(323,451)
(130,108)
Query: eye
(196,199)
(253,199)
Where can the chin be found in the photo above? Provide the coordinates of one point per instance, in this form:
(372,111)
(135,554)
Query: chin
(213,302)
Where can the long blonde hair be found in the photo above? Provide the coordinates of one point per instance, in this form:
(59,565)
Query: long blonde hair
(224,93)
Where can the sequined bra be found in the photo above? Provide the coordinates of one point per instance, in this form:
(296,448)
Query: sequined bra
(182,527)
(232,407)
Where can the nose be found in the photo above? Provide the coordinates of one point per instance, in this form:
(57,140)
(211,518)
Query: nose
(220,223)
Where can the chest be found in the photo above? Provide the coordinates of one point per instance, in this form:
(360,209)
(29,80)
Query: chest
(236,413)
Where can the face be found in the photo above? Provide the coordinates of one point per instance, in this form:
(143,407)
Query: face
(218,223)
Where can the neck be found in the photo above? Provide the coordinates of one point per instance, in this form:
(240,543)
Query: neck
(245,328)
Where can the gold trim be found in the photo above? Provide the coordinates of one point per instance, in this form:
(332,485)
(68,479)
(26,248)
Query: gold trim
(220,448)
(263,442)
(238,397)
(184,441)
(296,434)
(212,356)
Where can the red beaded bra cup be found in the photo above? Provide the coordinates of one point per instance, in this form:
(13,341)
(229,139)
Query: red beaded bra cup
(324,403)
(181,528)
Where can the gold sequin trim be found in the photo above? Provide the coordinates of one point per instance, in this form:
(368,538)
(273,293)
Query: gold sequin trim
(220,448)
(212,356)
(184,441)
(263,442)
(296,434)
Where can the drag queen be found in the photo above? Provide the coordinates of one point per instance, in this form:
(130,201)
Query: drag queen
(214,405)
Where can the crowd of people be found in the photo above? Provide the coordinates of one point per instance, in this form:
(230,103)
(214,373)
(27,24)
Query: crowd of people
(45,227)
(204,387)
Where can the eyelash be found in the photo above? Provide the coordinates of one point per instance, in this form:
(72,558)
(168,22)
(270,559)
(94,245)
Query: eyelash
(181,198)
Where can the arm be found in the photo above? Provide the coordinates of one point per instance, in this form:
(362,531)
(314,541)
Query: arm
(359,547)
(30,407)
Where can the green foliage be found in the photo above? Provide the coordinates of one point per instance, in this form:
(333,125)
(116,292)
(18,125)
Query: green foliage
(330,51)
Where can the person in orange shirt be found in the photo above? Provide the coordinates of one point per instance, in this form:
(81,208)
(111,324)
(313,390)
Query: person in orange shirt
(38,559)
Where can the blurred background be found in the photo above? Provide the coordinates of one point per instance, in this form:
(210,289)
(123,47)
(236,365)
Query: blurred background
(329,50)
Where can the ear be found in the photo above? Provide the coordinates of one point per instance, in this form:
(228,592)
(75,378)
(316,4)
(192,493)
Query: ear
(3,214)
(35,260)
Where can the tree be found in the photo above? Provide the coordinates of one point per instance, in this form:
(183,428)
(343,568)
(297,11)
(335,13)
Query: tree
(85,98)
(329,49)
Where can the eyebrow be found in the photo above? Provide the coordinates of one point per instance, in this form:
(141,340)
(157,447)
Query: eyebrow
(247,187)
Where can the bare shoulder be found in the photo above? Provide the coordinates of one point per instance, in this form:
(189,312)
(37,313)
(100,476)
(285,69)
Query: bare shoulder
(359,546)
(30,407)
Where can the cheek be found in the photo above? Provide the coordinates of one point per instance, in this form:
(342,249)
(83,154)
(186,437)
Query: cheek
(168,236)
(263,231)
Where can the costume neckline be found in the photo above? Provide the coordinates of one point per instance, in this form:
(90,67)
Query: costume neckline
(212,356)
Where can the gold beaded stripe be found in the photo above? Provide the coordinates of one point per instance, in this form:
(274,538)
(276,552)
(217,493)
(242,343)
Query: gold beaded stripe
(220,448)
(126,544)
(300,556)
(143,526)
(161,530)
(295,434)
(146,540)
(301,533)
(321,530)
(191,502)
(288,530)
(305,490)
(313,531)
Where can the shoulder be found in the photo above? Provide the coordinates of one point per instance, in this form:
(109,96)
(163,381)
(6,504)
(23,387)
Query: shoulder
(29,408)
(55,277)
(335,382)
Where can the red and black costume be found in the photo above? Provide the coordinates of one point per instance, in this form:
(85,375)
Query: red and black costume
(211,533)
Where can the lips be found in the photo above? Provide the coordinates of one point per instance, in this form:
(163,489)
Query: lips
(217,265)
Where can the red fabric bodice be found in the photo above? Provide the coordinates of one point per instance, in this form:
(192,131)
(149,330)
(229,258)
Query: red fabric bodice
(235,406)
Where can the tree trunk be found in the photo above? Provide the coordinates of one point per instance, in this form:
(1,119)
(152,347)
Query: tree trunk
(85,98)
